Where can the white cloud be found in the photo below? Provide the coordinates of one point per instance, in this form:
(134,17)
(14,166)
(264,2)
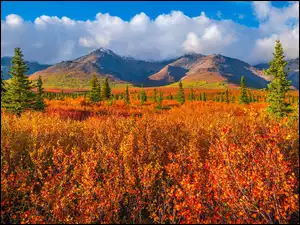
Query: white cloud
(262,9)
(49,39)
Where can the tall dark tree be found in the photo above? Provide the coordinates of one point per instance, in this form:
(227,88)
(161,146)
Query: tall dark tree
(226,97)
(94,95)
(180,95)
(127,96)
(192,95)
(19,95)
(243,98)
(279,86)
(2,85)
(106,91)
(39,103)
(143,96)
(159,100)
(155,95)
(99,89)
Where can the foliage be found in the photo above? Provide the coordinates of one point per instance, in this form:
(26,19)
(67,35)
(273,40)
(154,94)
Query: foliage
(18,96)
(243,98)
(127,96)
(279,86)
(106,90)
(95,92)
(39,98)
(180,95)
(205,162)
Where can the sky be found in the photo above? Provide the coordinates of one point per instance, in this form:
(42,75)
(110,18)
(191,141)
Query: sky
(50,32)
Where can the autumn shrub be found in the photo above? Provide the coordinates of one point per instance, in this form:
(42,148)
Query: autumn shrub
(202,162)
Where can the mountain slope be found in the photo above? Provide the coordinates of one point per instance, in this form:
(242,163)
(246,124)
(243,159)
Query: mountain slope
(293,75)
(33,67)
(211,69)
(102,62)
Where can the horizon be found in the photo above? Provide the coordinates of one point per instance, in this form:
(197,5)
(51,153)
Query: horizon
(147,34)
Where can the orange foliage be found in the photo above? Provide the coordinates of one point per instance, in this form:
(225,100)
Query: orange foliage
(203,162)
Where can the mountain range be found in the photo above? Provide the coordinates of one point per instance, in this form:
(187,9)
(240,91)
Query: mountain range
(195,70)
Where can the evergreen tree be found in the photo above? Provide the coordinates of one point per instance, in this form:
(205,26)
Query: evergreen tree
(191,95)
(2,85)
(39,103)
(94,92)
(204,96)
(106,91)
(180,96)
(159,100)
(143,96)
(221,99)
(243,98)
(99,90)
(226,97)
(126,96)
(279,86)
(18,96)
(155,95)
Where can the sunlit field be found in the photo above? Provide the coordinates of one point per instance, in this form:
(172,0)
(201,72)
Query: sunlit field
(111,162)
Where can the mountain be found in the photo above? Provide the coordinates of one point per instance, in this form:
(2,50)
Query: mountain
(33,67)
(213,69)
(102,62)
(195,70)
(293,75)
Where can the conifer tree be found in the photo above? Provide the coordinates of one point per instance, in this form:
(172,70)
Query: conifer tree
(180,95)
(143,96)
(279,86)
(2,85)
(39,103)
(18,96)
(243,98)
(159,100)
(99,90)
(106,91)
(155,95)
(191,95)
(226,97)
(94,92)
(204,96)
(126,96)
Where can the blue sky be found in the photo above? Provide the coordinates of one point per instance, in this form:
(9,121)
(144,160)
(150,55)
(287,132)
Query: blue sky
(50,32)
(239,11)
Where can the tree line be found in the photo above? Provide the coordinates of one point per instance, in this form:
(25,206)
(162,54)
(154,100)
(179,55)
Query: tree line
(18,96)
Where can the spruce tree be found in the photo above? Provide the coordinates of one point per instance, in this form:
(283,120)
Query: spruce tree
(204,96)
(180,95)
(226,99)
(99,90)
(18,96)
(192,95)
(94,92)
(155,95)
(106,91)
(159,100)
(143,96)
(126,96)
(2,84)
(243,98)
(39,103)
(279,86)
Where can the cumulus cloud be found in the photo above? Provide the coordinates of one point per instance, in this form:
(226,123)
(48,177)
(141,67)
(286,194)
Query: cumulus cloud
(49,39)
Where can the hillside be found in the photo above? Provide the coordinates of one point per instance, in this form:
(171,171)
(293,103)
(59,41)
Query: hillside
(211,69)
(33,67)
(293,75)
(102,62)
(195,70)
